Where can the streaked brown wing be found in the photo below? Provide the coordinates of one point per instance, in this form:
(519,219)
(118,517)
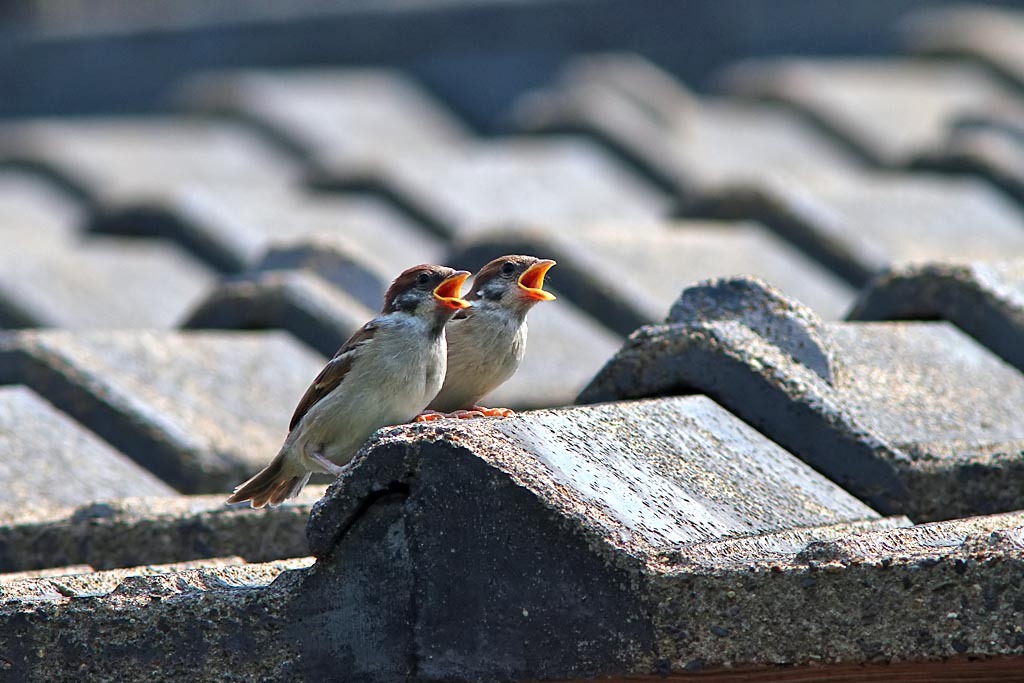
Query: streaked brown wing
(332,374)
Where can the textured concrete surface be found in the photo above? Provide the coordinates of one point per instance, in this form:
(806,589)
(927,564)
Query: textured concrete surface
(108,533)
(330,114)
(902,415)
(988,36)
(170,625)
(301,303)
(91,584)
(231,226)
(859,225)
(339,260)
(201,410)
(991,147)
(985,300)
(34,211)
(108,161)
(459,192)
(687,144)
(885,110)
(39,446)
(99,282)
(585,585)
(625,276)
(686,471)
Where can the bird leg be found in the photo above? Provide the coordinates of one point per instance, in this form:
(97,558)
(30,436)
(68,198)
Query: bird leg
(468,414)
(429,416)
(330,467)
(480,411)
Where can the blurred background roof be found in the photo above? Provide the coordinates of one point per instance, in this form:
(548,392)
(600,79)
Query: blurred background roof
(107,56)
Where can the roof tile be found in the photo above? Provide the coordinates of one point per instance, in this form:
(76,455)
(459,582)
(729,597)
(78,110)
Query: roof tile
(201,410)
(886,110)
(989,35)
(39,445)
(541,548)
(330,114)
(985,300)
(298,302)
(625,276)
(860,225)
(107,532)
(687,144)
(907,421)
(460,192)
(109,161)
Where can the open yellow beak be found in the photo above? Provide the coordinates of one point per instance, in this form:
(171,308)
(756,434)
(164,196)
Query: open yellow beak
(532,281)
(449,292)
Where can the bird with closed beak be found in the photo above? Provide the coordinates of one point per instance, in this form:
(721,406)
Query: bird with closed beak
(385,374)
(486,342)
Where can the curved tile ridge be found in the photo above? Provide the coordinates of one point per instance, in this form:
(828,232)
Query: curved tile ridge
(636,476)
(984,299)
(908,422)
(783,322)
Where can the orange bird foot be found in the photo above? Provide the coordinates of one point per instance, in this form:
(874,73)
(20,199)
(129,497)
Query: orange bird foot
(429,416)
(480,411)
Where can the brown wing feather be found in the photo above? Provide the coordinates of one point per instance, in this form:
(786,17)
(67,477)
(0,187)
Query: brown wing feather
(330,377)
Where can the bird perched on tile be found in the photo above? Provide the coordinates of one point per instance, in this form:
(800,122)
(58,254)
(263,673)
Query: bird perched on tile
(486,343)
(384,374)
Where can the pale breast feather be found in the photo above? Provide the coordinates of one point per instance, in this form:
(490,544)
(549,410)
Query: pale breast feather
(333,373)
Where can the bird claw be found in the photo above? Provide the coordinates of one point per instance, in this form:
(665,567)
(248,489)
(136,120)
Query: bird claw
(466,414)
(469,414)
(480,411)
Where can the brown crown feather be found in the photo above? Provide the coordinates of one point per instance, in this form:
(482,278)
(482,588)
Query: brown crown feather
(407,281)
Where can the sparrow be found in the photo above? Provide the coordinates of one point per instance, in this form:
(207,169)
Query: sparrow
(383,375)
(486,342)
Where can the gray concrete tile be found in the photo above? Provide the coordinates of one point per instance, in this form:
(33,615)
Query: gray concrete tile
(198,409)
(688,144)
(341,261)
(860,225)
(625,276)
(40,446)
(984,299)
(108,161)
(638,543)
(901,414)
(685,471)
(461,192)
(298,302)
(990,36)
(126,532)
(52,273)
(886,110)
(990,146)
(348,114)
(99,282)
(32,211)
(232,227)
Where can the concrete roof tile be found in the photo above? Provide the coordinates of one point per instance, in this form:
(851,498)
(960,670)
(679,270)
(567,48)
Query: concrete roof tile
(201,410)
(906,419)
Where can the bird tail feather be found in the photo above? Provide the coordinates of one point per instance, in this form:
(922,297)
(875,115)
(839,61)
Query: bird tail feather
(272,485)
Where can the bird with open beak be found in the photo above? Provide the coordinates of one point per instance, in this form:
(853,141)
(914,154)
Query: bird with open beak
(385,374)
(486,343)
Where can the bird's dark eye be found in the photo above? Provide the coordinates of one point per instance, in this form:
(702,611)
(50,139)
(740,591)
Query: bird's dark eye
(508,267)
(423,279)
